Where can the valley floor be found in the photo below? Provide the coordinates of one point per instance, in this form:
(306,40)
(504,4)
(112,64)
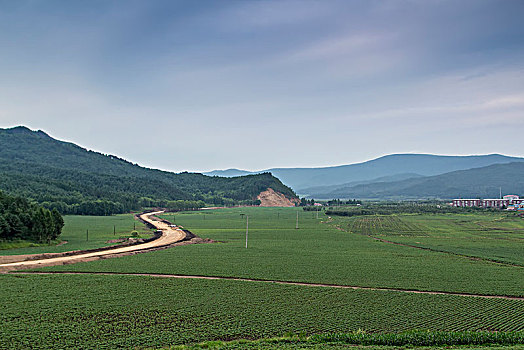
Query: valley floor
(112,303)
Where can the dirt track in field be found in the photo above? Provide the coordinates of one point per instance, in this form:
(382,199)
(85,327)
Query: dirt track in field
(170,236)
(306,284)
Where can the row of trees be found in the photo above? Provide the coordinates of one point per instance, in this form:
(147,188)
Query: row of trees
(400,208)
(338,202)
(20,219)
(333,202)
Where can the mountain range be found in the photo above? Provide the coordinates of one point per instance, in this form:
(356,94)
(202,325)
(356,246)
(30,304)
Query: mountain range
(483,182)
(391,168)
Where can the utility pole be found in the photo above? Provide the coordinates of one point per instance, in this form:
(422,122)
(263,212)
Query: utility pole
(247,228)
(500,189)
(297,222)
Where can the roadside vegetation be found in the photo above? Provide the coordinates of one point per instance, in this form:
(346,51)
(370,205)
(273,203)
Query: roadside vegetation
(88,232)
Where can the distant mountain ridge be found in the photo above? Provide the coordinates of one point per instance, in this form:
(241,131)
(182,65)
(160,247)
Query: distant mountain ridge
(484,182)
(391,165)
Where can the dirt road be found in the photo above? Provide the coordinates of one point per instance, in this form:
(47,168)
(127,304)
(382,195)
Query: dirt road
(170,235)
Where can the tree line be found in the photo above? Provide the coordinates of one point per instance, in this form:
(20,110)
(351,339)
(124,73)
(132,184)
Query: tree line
(23,220)
(401,208)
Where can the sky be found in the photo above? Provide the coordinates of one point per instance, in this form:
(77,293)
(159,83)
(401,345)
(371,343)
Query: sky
(202,85)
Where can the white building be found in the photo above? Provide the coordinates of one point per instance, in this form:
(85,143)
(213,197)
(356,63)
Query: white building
(489,203)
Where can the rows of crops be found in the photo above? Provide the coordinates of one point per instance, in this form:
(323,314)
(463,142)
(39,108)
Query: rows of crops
(71,311)
(493,236)
(379,225)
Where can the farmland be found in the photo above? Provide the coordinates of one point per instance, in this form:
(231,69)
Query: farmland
(134,311)
(495,236)
(110,311)
(316,253)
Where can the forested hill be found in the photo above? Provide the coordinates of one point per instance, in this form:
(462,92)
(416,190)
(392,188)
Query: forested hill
(74,180)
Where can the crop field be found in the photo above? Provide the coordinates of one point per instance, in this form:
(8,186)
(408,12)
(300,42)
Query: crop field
(100,230)
(495,236)
(317,252)
(71,311)
(91,310)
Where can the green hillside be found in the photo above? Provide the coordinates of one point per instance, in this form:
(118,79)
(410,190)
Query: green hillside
(485,182)
(77,181)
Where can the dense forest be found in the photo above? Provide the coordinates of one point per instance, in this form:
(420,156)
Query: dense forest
(22,220)
(63,176)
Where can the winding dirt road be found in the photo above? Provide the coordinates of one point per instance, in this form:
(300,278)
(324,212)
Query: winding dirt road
(170,235)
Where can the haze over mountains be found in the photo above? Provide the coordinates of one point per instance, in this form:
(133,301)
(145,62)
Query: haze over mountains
(324,182)
(484,182)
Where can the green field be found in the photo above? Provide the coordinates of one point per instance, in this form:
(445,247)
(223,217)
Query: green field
(100,229)
(495,236)
(316,252)
(111,311)
(61,311)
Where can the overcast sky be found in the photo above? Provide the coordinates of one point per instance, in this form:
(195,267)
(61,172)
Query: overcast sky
(201,85)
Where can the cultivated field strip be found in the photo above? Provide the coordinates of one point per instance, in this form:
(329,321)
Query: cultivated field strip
(493,237)
(305,284)
(142,311)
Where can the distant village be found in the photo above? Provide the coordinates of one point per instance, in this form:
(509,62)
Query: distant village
(508,202)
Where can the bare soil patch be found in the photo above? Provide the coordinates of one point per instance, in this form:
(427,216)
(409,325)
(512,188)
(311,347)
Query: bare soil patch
(271,198)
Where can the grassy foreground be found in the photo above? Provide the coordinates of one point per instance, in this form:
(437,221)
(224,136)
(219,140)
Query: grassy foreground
(359,340)
(82,311)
